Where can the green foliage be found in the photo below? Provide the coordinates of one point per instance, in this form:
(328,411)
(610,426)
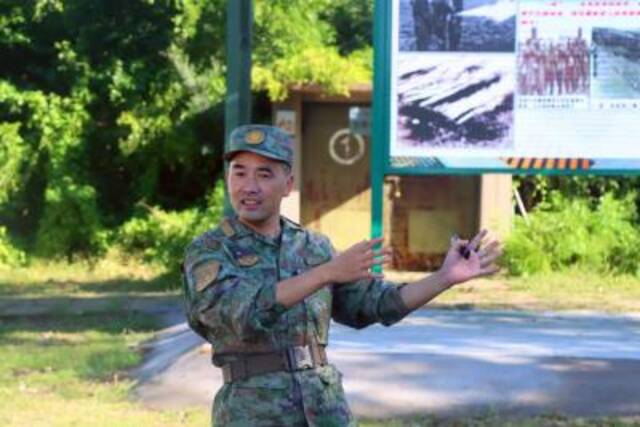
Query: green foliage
(297,45)
(163,236)
(353,23)
(38,124)
(564,232)
(160,236)
(9,255)
(536,189)
(93,77)
(320,65)
(50,127)
(70,224)
(12,156)
(104,103)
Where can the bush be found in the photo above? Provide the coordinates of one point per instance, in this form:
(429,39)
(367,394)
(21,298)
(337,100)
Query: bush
(563,232)
(9,255)
(161,236)
(71,222)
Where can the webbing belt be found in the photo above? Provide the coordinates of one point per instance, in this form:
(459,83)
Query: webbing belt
(289,360)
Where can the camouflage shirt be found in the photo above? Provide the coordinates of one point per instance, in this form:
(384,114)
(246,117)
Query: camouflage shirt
(230,276)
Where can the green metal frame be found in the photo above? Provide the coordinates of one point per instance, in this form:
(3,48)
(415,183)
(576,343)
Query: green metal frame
(238,101)
(239,34)
(381,109)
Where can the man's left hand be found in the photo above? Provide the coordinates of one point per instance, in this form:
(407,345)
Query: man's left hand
(457,268)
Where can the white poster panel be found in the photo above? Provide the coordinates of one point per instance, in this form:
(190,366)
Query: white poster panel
(488,80)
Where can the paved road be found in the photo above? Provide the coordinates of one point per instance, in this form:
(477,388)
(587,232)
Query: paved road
(446,362)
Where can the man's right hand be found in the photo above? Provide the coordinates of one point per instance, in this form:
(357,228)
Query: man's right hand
(356,262)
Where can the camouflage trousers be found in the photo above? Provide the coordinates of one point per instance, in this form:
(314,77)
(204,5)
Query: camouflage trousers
(312,397)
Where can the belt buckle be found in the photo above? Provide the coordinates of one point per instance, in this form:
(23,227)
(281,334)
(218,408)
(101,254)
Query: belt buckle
(300,358)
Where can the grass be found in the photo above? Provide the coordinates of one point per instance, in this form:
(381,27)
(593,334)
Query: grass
(113,274)
(571,290)
(62,369)
(71,370)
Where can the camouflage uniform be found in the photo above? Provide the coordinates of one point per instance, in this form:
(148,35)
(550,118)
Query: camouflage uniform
(231,274)
(236,312)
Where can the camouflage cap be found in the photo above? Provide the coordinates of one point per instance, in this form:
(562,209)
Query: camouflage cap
(267,141)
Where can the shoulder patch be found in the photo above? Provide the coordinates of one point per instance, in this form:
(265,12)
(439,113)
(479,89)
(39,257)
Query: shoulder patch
(248,260)
(205,274)
(212,243)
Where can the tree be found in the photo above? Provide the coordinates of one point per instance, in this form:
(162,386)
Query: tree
(107,103)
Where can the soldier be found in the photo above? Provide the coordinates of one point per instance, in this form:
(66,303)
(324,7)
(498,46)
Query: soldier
(446,22)
(582,57)
(594,60)
(437,18)
(561,69)
(262,290)
(422,23)
(455,25)
(550,65)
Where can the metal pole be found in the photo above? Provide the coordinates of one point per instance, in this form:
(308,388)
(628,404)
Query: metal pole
(238,102)
(380,126)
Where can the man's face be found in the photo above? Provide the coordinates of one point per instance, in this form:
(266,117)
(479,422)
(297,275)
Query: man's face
(256,186)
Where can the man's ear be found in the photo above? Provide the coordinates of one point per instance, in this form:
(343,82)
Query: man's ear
(226,174)
(289,184)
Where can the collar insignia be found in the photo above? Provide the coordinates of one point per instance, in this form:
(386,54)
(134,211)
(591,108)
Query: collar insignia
(228,229)
(248,260)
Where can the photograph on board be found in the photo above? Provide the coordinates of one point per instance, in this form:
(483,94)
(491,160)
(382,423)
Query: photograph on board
(555,63)
(454,104)
(457,25)
(616,63)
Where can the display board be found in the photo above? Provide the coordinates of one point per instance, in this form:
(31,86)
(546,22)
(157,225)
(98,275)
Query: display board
(474,86)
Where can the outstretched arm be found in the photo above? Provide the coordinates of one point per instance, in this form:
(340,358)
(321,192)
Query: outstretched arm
(349,266)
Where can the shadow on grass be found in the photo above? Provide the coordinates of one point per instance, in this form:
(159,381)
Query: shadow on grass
(94,346)
(158,296)
(108,322)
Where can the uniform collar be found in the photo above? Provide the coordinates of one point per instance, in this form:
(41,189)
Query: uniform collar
(238,230)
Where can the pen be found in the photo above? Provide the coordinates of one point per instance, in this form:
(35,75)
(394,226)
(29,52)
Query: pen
(464,250)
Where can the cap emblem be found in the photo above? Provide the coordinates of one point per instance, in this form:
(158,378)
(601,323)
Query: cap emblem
(254,137)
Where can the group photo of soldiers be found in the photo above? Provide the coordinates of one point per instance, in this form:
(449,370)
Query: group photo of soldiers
(457,25)
(553,66)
